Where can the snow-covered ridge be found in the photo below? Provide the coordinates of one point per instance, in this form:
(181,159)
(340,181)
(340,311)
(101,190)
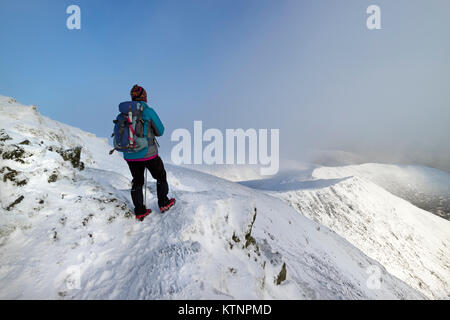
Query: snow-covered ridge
(413,244)
(233,173)
(67,232)
(425,187)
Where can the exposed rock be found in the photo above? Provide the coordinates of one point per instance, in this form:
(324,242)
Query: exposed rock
(282,275)
(11,175)
(14,152)
(17,201)
(71,155)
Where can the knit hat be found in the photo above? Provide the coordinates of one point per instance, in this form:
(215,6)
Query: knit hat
(138,93)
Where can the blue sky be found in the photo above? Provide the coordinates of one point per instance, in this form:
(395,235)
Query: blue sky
(310,68)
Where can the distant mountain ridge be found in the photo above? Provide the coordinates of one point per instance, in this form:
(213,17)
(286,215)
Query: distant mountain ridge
(411,243)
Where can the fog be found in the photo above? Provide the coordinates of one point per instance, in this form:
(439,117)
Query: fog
(311,69)
(318,74)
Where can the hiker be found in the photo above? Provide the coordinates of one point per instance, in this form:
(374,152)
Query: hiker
(147,158)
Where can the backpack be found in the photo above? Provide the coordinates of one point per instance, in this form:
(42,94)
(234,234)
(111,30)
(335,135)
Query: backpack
(128,135)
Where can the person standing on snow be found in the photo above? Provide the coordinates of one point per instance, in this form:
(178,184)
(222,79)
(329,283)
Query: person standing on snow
(148,158)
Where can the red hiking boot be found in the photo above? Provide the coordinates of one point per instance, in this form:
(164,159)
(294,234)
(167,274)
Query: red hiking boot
(141,217)
(167,206)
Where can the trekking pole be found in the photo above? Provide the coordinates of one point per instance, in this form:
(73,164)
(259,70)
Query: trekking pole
(145,186)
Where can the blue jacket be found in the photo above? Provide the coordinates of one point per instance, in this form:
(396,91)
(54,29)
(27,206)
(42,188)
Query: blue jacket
(157,130)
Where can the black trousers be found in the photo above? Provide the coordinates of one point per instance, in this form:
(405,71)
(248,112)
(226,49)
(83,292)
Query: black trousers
(156,168)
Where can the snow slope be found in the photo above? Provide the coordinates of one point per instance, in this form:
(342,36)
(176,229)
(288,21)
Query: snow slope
(66,231)
(412,244)
(425,187)
(233,173)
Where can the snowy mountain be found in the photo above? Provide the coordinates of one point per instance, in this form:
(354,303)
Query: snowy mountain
(411,243)
(425,187)
(67,231)
(233,173)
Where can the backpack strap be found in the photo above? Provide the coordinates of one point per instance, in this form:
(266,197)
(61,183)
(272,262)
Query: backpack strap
(122,127)
(130,126)
(131,136)
(139,122)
